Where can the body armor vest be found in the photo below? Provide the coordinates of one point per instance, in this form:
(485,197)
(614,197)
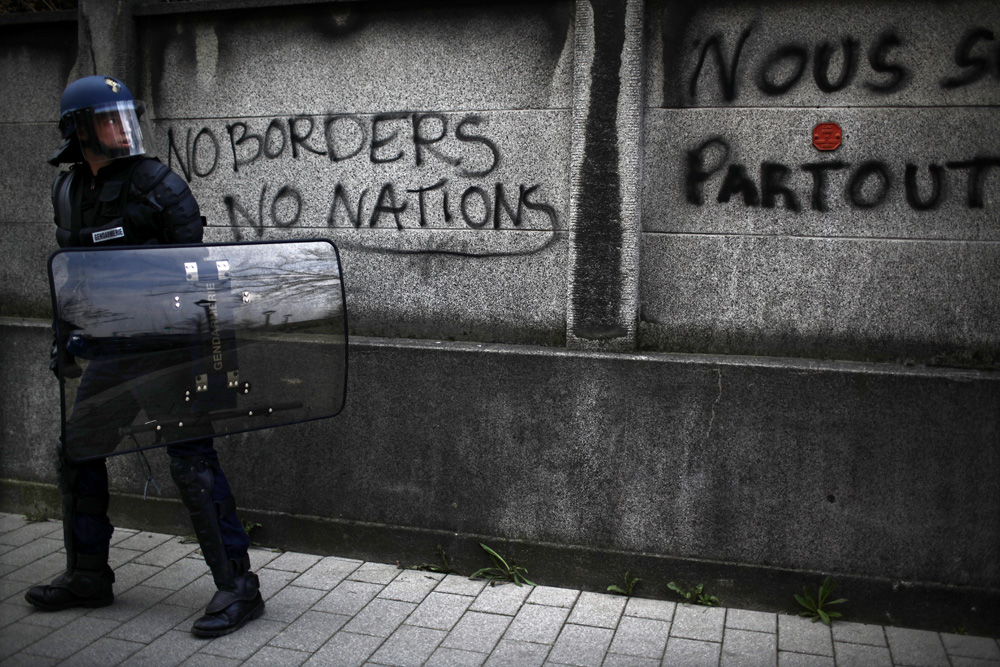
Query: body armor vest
(114,221)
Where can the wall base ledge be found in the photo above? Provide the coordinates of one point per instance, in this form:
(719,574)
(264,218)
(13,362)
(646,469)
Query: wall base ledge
(920,605)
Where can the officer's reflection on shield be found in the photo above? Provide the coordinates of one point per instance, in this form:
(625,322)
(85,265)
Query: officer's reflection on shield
(178,343)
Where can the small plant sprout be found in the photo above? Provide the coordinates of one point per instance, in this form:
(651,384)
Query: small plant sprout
(630,583)
(695,595)
(501,571)
(443,568)
(38,514)
(818,608)
(249,527)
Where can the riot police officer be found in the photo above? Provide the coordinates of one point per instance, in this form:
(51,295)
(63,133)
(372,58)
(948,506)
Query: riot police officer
(114,194)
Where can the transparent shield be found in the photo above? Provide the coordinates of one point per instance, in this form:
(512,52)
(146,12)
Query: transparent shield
(172,343)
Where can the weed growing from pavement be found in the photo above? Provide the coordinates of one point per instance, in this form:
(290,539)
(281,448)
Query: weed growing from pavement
(629,582)
(695,595)
(818,608)
(501,571)
(443,567)
(37,514)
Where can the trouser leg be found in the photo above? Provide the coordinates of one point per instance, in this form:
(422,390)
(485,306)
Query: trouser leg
(87,529)
(205,492)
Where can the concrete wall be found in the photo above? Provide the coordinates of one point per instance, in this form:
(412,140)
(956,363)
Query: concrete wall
(401,134)
(623,266)
(755,242)
(37,59)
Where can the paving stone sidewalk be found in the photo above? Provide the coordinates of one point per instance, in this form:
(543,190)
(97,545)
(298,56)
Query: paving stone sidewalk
(336,611)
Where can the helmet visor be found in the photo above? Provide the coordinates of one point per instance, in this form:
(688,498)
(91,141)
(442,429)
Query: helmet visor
(109,131)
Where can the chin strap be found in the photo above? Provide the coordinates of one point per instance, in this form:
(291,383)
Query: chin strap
(149,470)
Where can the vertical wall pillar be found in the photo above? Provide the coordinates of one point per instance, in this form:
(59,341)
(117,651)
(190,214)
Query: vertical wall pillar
(606,176)
(106,39)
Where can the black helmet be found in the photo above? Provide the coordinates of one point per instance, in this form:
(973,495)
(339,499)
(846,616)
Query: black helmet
(98,119)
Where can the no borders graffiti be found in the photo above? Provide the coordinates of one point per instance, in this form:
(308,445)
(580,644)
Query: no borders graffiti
(357,143)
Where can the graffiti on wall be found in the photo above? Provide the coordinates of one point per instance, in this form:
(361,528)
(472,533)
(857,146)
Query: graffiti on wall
(867,185)
(876,66)
(771,67)
(369,171)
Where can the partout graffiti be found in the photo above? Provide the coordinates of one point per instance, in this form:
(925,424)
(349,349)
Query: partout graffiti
(878,65)
(868,184)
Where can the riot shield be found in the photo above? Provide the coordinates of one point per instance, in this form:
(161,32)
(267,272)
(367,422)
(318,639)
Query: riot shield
(163,344)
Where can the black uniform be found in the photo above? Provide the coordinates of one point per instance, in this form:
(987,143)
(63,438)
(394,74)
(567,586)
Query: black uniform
(132,201)
(137,201)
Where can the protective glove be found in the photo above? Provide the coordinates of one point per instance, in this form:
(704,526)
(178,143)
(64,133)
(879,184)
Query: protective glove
(69,366)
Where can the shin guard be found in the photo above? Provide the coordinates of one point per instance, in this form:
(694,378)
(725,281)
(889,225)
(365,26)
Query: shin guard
(195,480)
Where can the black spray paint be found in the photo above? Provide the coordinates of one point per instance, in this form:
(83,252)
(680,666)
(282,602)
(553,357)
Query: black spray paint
(877,65)
(868,184)
(596,299)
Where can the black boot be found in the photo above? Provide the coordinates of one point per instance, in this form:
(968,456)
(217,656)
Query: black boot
(87,580)
(230,609)
(75,588)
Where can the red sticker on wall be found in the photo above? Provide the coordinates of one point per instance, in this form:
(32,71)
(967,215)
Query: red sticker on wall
(826,136)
